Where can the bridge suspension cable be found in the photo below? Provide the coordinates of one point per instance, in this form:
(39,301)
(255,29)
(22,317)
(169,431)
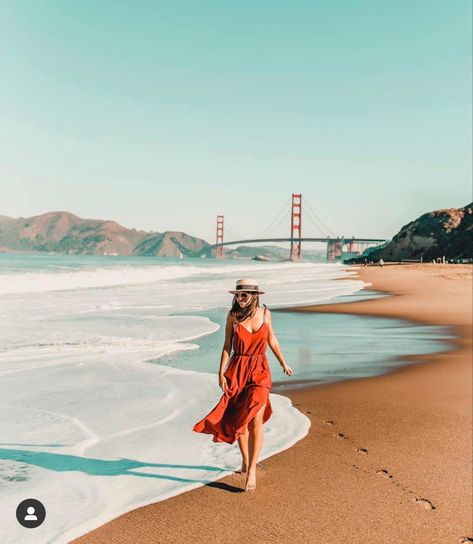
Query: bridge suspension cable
(232,231)
(276,221)
(315,219)
(315,223)
(211,233)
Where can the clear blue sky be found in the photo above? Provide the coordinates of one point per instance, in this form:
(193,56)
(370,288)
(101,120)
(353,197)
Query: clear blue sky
(160,115)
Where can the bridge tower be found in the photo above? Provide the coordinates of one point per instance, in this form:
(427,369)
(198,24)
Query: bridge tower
(296,224)
(334,248)
(353,246)
(219,237)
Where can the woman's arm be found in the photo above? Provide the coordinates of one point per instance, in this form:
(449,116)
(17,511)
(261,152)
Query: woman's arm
(227,346)
(274,344)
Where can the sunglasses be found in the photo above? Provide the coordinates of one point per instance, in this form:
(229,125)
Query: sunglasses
(242,296)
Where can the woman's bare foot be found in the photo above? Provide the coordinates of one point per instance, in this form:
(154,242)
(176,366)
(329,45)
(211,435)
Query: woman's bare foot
(251,479)
(243,468)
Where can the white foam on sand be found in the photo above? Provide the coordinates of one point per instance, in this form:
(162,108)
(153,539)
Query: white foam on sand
(126,440)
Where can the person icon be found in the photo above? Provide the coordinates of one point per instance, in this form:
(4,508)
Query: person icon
(31,515)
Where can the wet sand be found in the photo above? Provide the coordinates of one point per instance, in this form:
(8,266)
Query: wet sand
(388,459)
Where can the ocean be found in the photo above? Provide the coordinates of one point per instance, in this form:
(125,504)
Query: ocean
(106,362)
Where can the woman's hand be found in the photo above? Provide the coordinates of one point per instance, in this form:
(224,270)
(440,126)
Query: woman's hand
(287,370)
(222,381)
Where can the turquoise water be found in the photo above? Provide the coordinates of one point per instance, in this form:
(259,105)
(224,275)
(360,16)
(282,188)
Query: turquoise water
(132,301)
(323,348)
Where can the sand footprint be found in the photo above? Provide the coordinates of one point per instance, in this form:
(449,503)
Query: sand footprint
(343,436)
(425,503)
(385,473)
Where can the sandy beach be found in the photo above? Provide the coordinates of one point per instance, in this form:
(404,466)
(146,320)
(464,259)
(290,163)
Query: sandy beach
(388,459)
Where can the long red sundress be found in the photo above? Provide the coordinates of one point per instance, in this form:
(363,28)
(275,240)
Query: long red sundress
(249,382)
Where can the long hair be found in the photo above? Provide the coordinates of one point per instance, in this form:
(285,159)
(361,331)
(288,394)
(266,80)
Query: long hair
(240,314)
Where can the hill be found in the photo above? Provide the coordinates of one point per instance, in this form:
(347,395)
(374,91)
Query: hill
(64,232)
(446,232)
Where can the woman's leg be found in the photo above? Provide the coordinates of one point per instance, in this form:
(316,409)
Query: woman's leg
(255,442)
(243,443)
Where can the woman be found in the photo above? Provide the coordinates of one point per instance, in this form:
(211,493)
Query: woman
(245,406)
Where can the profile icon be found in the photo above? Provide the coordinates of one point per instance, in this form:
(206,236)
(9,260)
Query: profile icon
(30,513)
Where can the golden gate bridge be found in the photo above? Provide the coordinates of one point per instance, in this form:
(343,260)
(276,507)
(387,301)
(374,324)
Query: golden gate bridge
(335,245)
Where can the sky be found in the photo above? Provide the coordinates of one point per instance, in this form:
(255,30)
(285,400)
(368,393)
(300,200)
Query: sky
(161,115)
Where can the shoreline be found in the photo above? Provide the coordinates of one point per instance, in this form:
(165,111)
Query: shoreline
(454,331)
(387,457)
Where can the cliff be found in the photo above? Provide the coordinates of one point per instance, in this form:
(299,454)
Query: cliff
(447,232)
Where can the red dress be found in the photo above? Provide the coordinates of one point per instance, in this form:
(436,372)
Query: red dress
(249,382)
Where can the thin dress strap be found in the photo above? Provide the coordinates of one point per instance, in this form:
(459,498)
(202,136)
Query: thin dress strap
(264,314)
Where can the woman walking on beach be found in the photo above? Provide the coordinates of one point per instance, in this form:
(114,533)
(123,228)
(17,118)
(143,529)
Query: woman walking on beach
(245,406)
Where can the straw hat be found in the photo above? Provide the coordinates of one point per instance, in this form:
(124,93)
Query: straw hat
(247,284)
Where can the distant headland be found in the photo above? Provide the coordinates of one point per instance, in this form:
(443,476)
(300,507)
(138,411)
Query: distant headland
(440,233)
